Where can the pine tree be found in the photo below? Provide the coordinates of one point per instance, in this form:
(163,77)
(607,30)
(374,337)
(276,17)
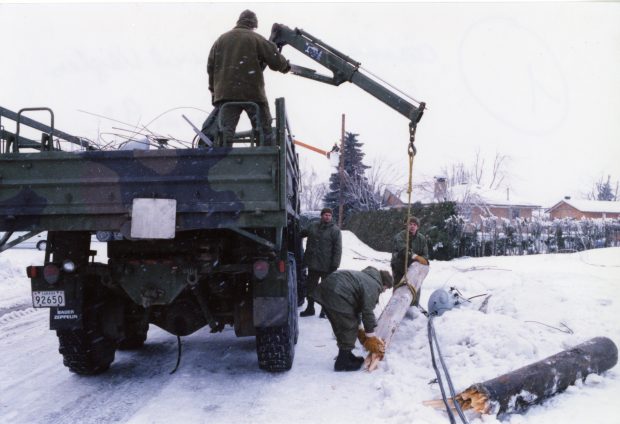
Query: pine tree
(604,189)
(357,195)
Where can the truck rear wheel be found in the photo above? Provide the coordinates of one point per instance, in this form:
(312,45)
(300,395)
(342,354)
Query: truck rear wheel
(85,352)
(275,346)
(89,350)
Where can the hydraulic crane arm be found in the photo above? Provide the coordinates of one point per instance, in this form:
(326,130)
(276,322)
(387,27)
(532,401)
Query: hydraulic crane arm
(344,69)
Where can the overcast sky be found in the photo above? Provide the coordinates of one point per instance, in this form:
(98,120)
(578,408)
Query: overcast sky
(539,83)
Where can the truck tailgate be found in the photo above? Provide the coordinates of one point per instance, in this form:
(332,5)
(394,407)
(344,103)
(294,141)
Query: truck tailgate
(94,190)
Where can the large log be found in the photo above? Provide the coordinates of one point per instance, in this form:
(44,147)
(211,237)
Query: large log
(395,310)
(529,385)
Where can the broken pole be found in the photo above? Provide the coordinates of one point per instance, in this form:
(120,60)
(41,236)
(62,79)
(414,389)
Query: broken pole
(530,385)
(392,315)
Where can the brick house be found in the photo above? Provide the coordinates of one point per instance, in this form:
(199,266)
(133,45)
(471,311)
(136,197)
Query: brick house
(577,209)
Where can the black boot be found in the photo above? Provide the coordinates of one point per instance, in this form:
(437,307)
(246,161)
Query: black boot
(354,358)
(344,361)
(309,312)
(322,314)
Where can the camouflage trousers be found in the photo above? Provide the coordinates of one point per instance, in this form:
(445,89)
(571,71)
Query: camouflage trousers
(344,326)
(229,117)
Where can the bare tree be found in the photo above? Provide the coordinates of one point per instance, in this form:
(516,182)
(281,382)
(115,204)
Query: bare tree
(458,173)
(498,172)
(478,168)
(312,191)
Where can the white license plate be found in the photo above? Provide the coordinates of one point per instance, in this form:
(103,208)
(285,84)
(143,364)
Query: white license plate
(48,299)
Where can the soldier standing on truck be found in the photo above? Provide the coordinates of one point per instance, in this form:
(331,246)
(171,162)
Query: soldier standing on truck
(417,251)
(322,256)
(235,67)
(349,298)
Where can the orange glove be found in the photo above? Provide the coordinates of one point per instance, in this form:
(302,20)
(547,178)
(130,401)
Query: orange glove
(420,259)
(374,344)
(361,336)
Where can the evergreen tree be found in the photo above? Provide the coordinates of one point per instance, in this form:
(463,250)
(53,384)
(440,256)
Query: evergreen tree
(604,190)
(357,195)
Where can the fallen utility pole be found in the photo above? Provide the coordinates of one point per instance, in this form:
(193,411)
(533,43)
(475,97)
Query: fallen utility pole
(395,310)
(530,385)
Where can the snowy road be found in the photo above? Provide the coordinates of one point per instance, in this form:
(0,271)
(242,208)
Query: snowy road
(219,381)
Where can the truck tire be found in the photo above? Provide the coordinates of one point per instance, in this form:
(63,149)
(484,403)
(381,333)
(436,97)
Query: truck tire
(275,346)
(86,351)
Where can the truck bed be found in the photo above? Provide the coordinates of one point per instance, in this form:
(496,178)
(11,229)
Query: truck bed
(94,190)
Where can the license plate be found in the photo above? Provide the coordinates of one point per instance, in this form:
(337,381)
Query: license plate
(48,299)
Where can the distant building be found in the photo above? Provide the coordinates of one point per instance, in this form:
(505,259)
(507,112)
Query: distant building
(473,201)
(476,202)
(577,209)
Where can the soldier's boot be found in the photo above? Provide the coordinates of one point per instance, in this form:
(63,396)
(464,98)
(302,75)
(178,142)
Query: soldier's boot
(322,314)
(309,312)
(355,358)
(346,362)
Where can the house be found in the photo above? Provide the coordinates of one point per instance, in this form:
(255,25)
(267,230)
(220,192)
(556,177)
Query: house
(473,201)
(476,202)
(578,209)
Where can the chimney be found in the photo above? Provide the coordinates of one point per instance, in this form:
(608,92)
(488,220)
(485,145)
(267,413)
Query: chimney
(441,188)
(507,193)
(566,197)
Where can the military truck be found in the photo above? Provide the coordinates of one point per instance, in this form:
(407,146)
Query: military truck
(196,236)
(210,236)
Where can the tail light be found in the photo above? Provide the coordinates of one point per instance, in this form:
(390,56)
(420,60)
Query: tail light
(261,269)
(281,266)
(51,273)
(31,271)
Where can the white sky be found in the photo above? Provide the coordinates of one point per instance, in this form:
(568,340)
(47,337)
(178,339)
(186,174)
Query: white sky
(539,83)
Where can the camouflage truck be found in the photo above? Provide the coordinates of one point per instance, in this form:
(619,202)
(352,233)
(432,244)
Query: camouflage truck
(210,236)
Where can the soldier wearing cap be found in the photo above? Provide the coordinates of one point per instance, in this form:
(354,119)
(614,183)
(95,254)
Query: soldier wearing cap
(235,67)
(402,256)
(322,256)
(349,299)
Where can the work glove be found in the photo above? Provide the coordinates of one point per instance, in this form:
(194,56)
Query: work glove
(420,259)
(374,344)
(361,336)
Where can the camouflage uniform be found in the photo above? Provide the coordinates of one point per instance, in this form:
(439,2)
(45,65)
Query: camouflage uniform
(347,295)
(235,68)
(417,245)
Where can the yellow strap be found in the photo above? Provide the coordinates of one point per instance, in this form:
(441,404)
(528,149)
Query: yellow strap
(411,151)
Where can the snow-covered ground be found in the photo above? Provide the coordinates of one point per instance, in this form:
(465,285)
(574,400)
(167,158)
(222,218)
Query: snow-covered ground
(532,299)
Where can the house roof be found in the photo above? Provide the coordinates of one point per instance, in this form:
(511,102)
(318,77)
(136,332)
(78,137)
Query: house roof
(599,206)
(472,193)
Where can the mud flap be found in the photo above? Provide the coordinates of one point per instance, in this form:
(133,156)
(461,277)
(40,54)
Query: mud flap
(68,316)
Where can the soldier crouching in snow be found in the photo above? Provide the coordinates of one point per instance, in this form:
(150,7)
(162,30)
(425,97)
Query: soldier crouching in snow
(348,298)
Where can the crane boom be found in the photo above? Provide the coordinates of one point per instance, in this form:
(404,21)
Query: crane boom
(344,69)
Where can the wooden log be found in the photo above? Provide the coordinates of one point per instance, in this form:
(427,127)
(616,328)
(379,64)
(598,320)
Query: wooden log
(529,385)
(395,310)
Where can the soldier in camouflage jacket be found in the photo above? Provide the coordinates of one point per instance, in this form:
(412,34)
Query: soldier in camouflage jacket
(235,68)
(349,298)
(417,247)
